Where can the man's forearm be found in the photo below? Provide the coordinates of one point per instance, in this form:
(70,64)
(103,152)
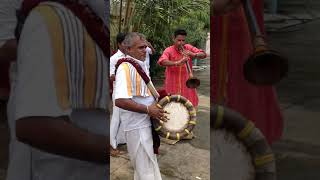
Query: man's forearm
(200,55)
(8,51)
(58,136)
(168,63)
(130,105)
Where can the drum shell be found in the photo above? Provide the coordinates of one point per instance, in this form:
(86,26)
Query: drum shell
(263,158)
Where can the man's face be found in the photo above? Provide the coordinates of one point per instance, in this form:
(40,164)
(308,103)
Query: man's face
(179,40)
(138,49)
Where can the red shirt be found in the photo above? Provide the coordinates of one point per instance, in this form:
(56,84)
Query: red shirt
(176,76)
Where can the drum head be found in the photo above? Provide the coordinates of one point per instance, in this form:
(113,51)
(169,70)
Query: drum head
(230,160)
(178,115)
(182,117)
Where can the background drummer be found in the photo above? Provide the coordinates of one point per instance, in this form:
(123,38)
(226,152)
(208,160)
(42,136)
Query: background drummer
(176,73)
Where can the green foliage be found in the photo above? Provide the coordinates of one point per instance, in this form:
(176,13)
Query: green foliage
(197,25)
(157,20)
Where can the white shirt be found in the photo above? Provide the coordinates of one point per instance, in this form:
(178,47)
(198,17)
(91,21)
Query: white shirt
(114,59)
(147,62)
(131,120)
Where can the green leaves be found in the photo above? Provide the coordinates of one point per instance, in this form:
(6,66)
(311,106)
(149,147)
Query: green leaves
(157,20)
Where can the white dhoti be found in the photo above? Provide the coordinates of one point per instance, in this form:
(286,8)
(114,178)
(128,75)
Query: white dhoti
(140,149)
(117,135)
(116,129)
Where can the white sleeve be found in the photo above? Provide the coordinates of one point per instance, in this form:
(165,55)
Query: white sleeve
(8,19)
(122,86)
(113,61)
(35,92)
(149,50)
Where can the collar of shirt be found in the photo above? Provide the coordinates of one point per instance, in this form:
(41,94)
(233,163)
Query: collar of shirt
(120,53)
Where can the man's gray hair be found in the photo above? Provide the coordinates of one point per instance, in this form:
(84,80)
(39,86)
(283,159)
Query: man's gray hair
(128,40)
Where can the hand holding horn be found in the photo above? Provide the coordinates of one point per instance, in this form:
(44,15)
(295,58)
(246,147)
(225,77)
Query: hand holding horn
(192,82)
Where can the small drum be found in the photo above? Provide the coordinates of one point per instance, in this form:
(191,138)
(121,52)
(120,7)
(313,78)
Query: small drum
(240,151)
(182,117)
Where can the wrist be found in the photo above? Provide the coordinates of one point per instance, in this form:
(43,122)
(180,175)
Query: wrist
(195,55)
(147,111)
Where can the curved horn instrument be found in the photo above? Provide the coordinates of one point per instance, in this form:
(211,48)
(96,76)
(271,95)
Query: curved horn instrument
(264,66)
(192,82)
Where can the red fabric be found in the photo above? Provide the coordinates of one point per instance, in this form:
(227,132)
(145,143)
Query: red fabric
(162,92)
(176,77)
(258,104)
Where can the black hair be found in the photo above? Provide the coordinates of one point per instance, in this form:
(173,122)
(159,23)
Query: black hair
(180,32)
(121,37)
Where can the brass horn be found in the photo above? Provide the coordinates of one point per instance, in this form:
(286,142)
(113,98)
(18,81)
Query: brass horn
(264,66)
(192,82)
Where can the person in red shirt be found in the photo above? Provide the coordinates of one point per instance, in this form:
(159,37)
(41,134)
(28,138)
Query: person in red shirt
(174,58)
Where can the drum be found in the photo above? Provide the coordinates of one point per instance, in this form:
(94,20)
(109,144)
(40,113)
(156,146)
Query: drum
(240,150)
(230,155)
(181,114)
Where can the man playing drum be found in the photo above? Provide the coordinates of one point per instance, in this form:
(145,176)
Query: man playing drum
(137,106)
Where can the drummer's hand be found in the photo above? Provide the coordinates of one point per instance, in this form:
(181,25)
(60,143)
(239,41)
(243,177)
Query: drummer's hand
(157,113)
(224,6)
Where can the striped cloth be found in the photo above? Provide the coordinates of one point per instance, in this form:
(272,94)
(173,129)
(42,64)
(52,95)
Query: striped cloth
(135,84)
(80,66)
